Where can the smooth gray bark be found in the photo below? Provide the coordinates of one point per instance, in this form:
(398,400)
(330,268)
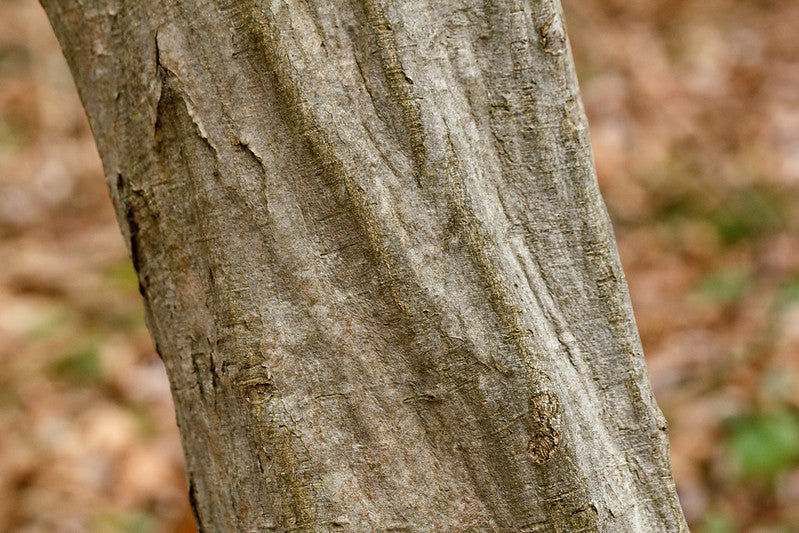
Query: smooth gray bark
(375,262)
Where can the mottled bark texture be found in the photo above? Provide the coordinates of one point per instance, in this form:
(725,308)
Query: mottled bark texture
(375,262)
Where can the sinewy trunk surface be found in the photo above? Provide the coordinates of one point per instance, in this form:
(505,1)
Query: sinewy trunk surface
(375,262)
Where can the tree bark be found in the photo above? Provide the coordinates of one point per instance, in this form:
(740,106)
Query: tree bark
(375,262)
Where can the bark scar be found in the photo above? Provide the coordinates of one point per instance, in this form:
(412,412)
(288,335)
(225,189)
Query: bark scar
(545,411)
(553,35)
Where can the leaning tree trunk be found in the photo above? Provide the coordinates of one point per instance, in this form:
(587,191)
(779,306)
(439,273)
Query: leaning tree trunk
(375,262)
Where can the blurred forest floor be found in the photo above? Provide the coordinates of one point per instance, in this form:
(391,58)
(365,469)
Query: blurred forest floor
(694,114)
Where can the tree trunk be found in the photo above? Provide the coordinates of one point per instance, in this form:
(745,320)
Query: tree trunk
(375,262)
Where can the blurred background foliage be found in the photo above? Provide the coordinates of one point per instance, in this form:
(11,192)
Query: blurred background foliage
(694,114)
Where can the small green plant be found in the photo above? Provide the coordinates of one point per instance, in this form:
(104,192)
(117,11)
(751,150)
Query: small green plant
(123,276)
(724,287)
(787,294)
(83,366)
(715,522)
(49,323)
(763,445)
(748,213)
